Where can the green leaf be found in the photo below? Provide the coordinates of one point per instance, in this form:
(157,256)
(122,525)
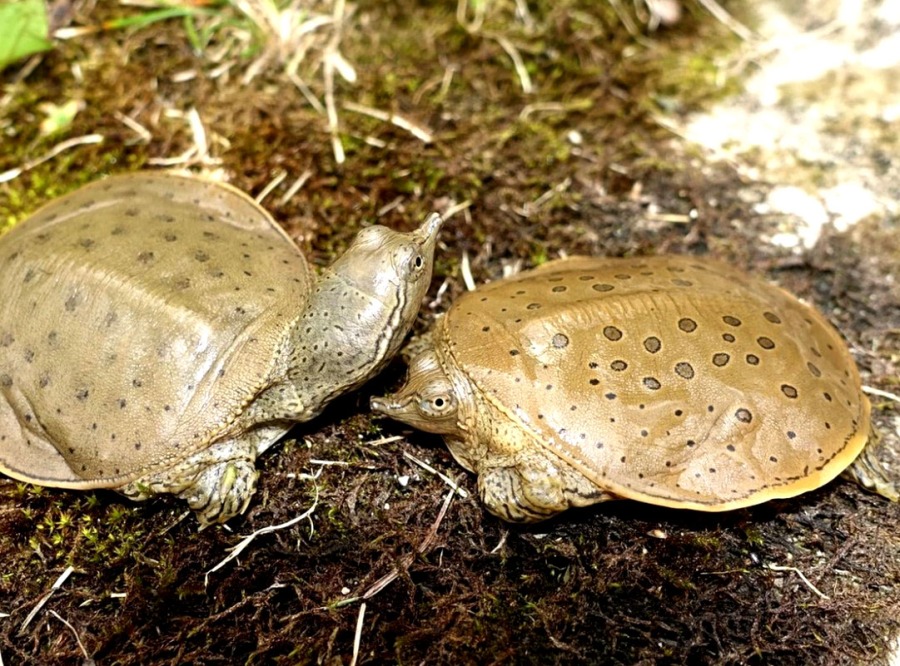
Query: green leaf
(23,29)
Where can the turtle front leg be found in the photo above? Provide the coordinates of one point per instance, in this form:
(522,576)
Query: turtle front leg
(536,489)
(217,482)
(868,472)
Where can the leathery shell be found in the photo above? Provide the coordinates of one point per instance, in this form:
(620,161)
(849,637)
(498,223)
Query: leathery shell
(669,380)
(179,259)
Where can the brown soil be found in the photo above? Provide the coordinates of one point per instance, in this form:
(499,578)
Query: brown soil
(620,583)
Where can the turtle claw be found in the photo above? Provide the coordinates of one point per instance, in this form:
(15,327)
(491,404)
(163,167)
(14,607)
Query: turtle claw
(222,491)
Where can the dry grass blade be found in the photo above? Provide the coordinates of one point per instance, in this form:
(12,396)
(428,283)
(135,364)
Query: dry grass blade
(40,604)
(357,636)
(49,155)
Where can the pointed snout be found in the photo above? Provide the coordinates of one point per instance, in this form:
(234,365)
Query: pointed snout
(427,233)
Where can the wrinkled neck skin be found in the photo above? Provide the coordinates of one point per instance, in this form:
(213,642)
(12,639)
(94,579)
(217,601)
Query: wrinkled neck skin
(342,339)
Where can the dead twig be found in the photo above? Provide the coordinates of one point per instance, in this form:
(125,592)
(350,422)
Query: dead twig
(408,559)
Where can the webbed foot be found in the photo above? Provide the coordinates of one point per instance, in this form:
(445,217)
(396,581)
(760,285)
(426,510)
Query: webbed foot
(528,493)
(868,472)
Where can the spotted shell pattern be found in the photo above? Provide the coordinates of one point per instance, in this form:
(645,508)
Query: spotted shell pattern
(672,380)
(179,260)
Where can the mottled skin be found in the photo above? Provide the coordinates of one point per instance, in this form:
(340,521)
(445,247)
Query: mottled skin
(669,380)
(158,333)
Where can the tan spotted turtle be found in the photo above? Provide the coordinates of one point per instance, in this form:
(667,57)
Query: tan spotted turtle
(675,381)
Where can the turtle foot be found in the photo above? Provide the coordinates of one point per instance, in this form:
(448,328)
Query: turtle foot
(222,491)
(868,472)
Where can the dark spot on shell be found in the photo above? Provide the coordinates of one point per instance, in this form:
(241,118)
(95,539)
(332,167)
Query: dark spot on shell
(772,317)
(687,325)
(593,365)
(773,458)
(813,370)
(559,289)
(44,380)
(586,278)
(652,383)
(28,356)
(789,390)
(485,329)
(731,321)
(137,383)
(618,365)
(560,340)
(827,396)
(652,344)
(728,337)
(752,359)
(721,359)
(86,243)
(685,370)
(534,306)
(610,396)
(170,237)
(594,382)
(690,443)
(602,286)
(644,433)
(145,257)
(5,380)
(72,302)
(791,434)
(201,256)
(513,352)
(6,339)
(730,447)
(612,333)
(122,403)
(765,342)
(743,415)
(82,394)
(678,412)
(678,282)
(131,211)
(137,446)
(622,276)
(182,283)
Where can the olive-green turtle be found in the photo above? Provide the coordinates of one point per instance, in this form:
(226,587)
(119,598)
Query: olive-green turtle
(158,332)
(671,380)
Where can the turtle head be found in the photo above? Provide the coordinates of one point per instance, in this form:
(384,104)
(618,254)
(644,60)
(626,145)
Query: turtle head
(428,401)
(393,269)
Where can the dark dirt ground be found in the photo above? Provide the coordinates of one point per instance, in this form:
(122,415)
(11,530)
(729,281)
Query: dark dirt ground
(619,583)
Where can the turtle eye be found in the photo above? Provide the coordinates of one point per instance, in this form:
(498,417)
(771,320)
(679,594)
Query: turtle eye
(441,404)
(416,263)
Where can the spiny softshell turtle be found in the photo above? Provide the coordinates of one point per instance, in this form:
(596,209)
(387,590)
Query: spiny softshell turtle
(159,332)
(671,380)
